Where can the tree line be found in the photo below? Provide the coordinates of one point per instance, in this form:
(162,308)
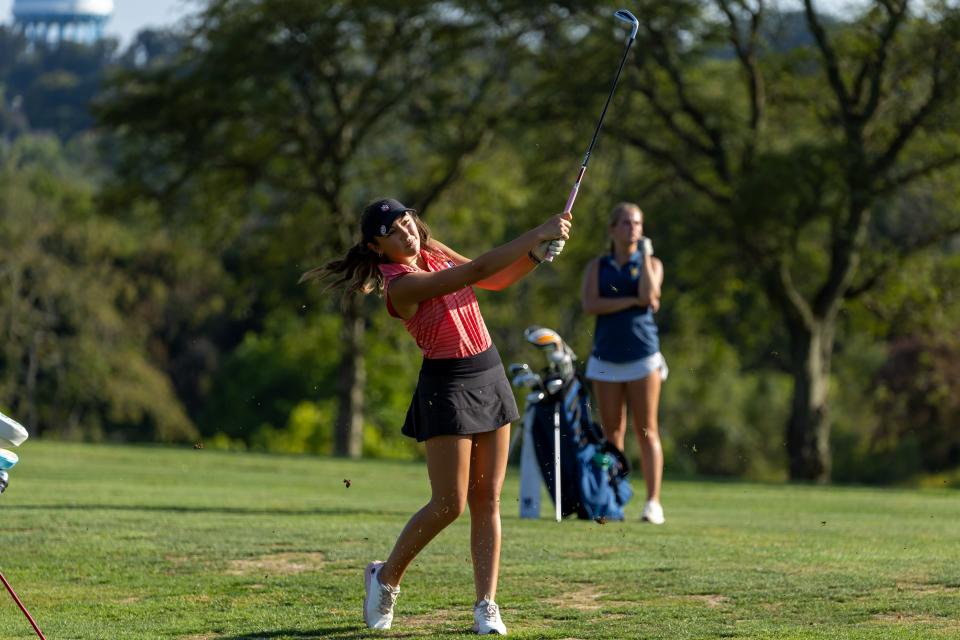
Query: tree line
(797,171)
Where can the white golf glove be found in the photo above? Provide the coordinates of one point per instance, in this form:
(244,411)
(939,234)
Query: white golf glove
(549,249)
(646,247)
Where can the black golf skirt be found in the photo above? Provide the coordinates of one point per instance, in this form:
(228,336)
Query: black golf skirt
(460,396)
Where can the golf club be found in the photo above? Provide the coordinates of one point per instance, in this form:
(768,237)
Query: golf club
(624,16)
(528,380)
(554,385)
(517,367)
(22,608)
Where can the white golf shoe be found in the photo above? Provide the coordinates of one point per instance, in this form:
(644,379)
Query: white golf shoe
(486,619)
(652,512)
(380,598)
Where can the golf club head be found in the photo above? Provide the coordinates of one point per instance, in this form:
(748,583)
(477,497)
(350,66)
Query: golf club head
(562,361)
(4,481)
(516,367)
(553,385)
(626,16)
(542,337)
(526,379)
(535,397)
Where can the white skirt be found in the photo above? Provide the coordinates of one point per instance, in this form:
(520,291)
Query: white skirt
(627,371)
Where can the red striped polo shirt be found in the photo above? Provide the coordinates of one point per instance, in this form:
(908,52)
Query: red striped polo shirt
(448,326)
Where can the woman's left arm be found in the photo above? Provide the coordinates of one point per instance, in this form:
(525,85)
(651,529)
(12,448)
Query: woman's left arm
(498,281)
(650,282)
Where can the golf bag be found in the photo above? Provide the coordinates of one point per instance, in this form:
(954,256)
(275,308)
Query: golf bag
(559,434)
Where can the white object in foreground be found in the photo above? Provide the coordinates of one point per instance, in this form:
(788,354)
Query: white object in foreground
(529,469)
(8,459)
(556,460)
(12,431)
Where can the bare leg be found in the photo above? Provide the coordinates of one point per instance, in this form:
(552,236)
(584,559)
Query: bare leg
(448,465)
(644,397)
(611,402)
(488,466)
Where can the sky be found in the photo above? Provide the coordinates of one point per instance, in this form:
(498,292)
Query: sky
(130,16)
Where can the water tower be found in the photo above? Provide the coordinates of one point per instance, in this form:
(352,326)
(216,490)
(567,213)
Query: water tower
(59,20)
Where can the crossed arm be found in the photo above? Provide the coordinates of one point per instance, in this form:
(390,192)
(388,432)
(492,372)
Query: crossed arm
(648,294)
(649,289)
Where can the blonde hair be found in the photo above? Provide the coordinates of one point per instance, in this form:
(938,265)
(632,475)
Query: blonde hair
(618,211)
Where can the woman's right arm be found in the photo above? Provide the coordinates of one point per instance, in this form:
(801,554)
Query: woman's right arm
(417,286)
(593,303)
(500,280)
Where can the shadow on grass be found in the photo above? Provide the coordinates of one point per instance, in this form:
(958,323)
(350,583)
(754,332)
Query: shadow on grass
(345,632)
(239,511)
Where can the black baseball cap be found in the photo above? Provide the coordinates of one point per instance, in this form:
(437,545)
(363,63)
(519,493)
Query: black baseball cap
(379,215)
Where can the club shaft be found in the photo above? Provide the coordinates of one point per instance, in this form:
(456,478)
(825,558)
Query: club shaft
(568,208)
(22,608)
(613,87)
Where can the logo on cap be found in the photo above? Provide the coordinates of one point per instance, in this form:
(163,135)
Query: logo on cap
(385,207)
(383,227)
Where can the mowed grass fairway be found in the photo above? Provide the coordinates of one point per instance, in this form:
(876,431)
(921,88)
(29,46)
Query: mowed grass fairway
(141,543)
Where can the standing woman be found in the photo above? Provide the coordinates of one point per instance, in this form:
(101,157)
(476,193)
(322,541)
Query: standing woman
(622,289)
(463,405)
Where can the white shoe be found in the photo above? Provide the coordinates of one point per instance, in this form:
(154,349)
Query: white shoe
(652,512)
(380,598)
(486,619)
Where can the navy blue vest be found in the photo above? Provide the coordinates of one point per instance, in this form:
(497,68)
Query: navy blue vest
(630,334)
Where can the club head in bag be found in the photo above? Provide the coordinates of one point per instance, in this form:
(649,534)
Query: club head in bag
(4,481)
(527,380)
(535,397)
(554,385)
(630,19)
(561,357)
(558,353)
(542,337)
(516,367)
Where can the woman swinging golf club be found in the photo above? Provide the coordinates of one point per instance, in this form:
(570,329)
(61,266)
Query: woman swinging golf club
(622,289)
(463,405)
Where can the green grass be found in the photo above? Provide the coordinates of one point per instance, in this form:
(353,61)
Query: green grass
(130,542)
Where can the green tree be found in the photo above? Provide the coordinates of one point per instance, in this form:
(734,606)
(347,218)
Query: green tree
(279,119)
(76,359)
(798,158)
(914,389)
(57,84)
